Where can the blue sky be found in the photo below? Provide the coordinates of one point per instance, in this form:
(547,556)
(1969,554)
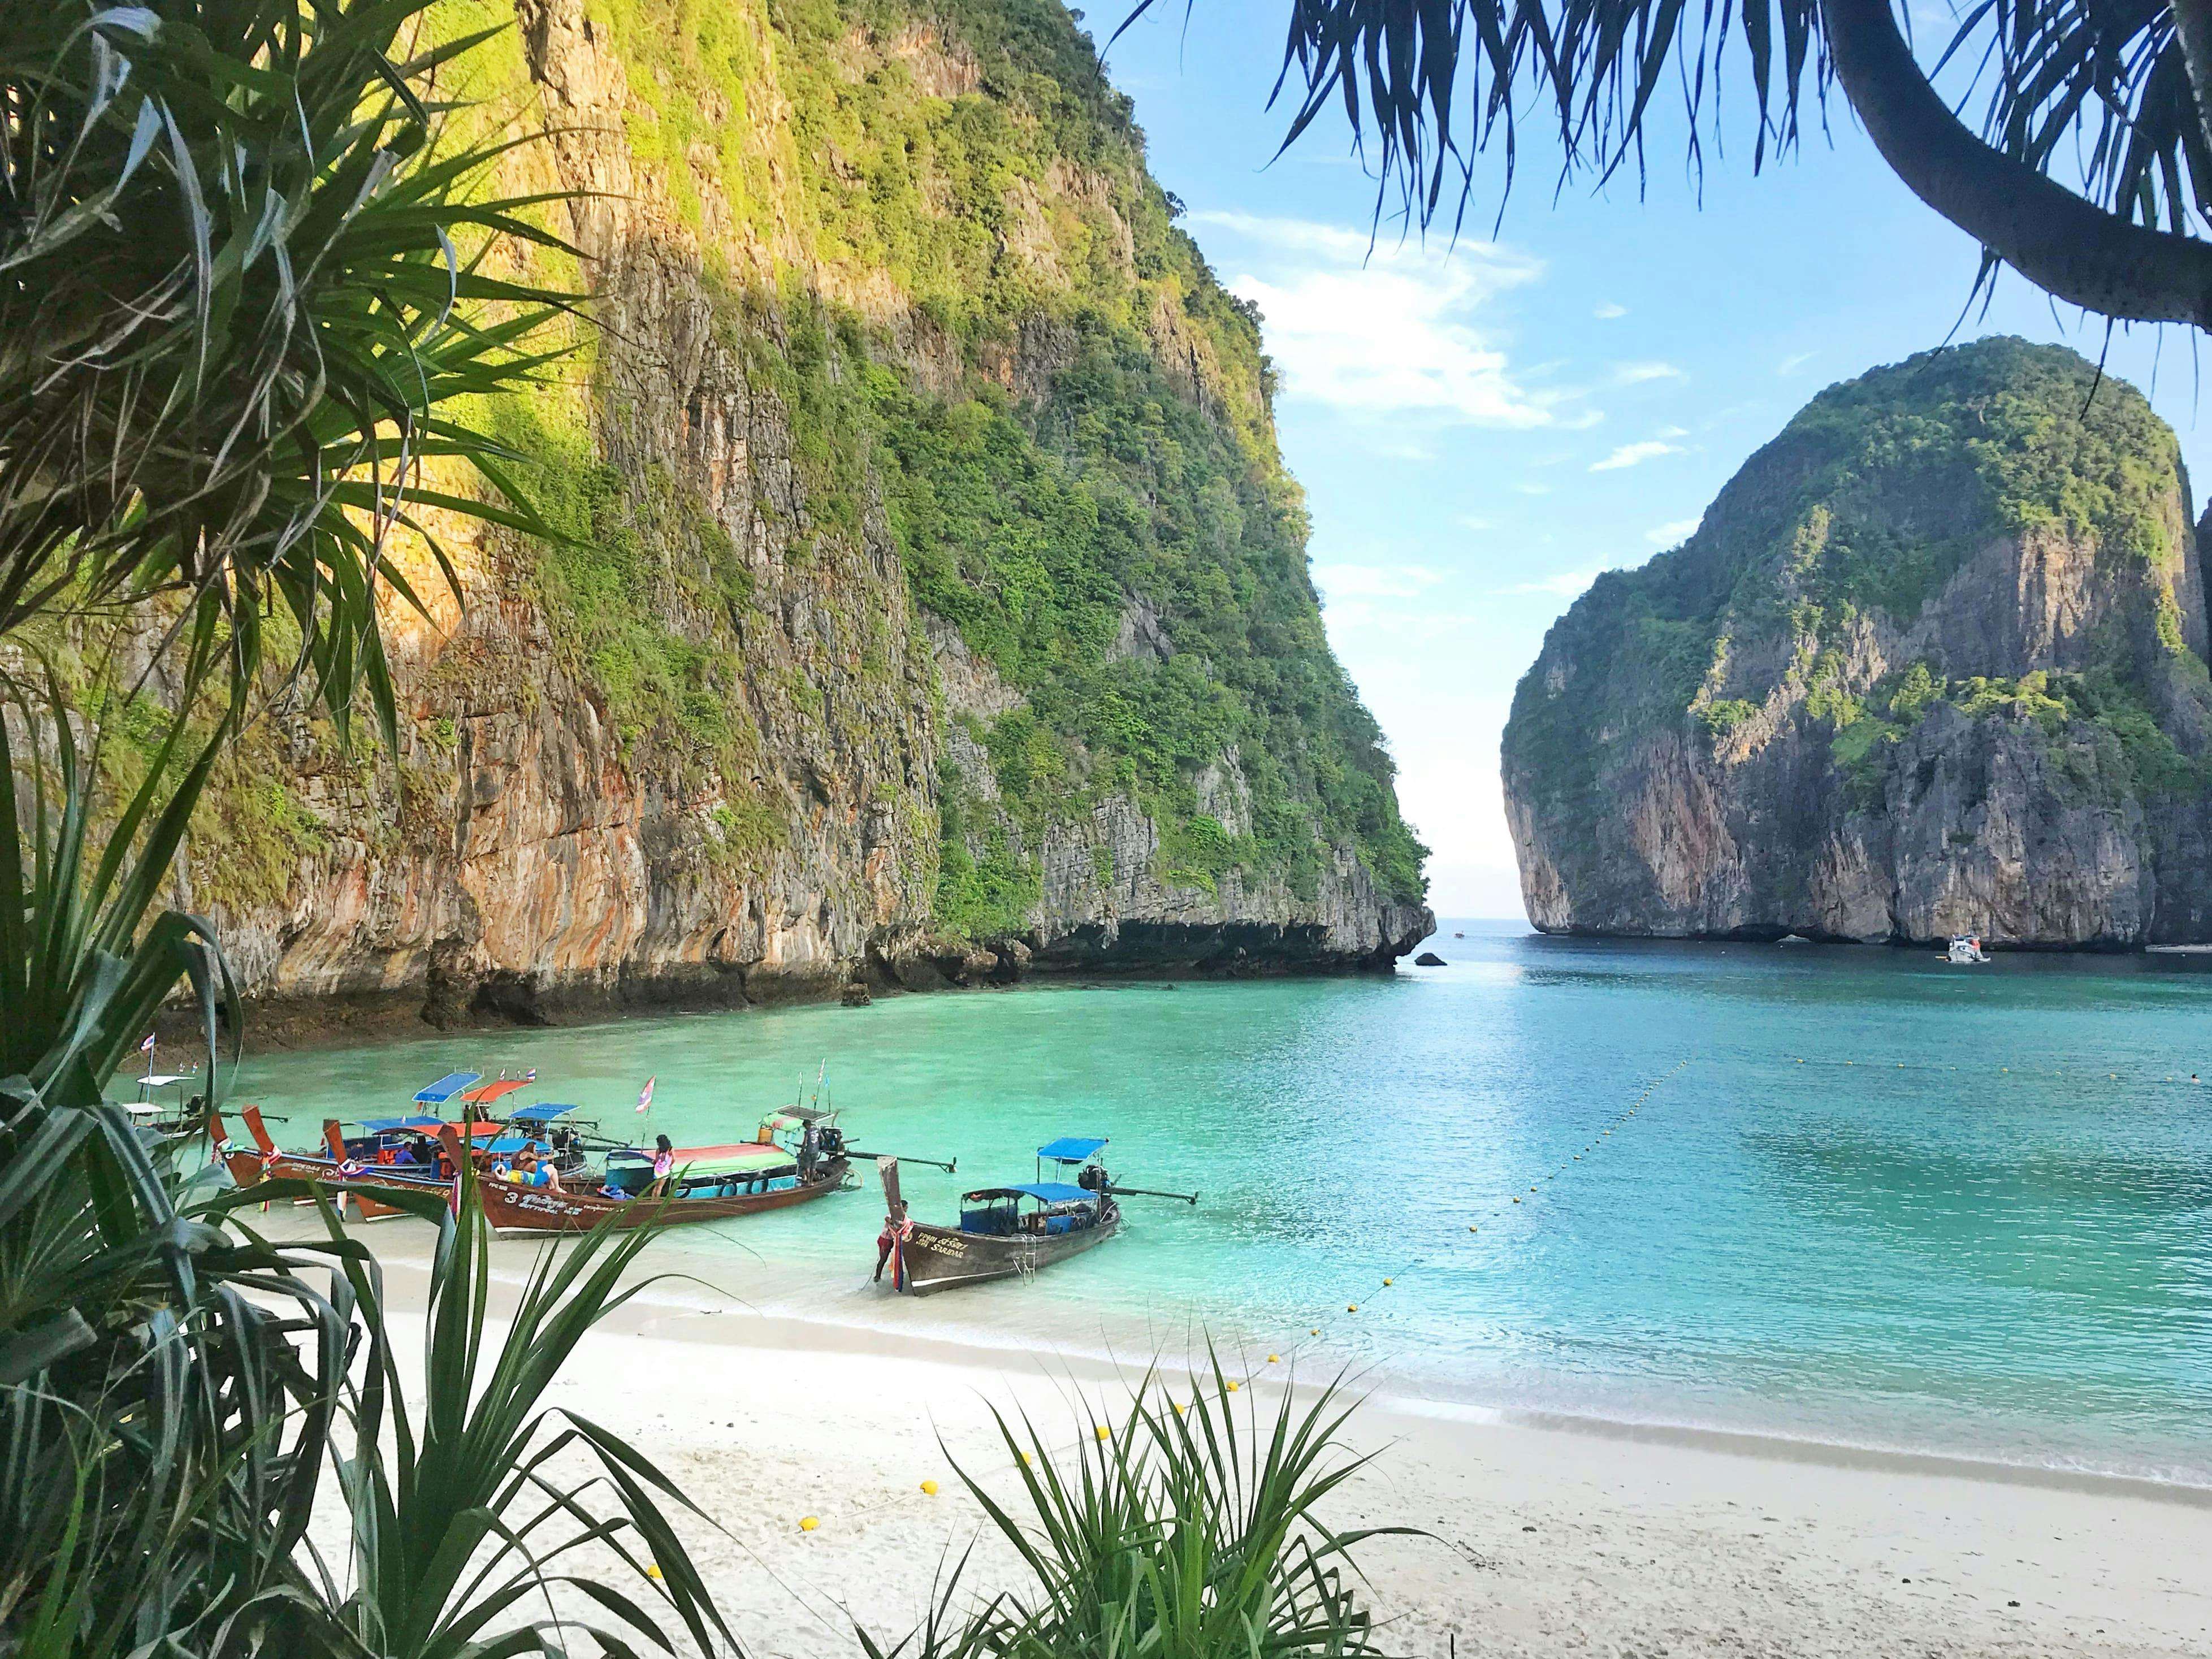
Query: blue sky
(1482,429)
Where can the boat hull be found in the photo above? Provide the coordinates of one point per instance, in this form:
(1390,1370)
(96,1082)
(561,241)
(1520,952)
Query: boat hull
(249,1166)
(945,1258)
(513,1210)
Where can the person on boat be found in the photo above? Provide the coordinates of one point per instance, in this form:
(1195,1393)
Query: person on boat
(664,1164)
(810,1144)
(531,1171)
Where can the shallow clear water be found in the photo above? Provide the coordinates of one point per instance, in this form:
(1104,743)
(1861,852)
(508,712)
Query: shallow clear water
(1868,1198)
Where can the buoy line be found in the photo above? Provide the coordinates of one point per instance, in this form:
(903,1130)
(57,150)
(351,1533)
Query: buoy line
(1498,1210)
(2179,1079)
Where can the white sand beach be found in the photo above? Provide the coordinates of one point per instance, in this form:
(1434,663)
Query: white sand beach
(1547,1538)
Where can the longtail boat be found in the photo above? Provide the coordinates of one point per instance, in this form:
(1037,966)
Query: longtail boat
(384,1154)
(702,1183)
(1006,1231)
(356,1180)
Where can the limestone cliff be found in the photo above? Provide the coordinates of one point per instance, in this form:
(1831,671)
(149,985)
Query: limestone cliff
(931,602)
(1932,662)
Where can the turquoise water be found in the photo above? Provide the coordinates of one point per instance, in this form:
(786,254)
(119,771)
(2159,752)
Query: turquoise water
(1996,1248)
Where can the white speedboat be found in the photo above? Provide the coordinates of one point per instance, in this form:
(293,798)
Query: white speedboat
(1966,947)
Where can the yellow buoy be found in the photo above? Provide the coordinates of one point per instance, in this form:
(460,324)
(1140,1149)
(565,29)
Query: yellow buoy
(653,1570)
(1234,1386)
(1274,1359)
(930,1487)
(807,1523)
(1104,1433)
(1472,1228)
(1389,1281)
(1531,1189)
(1178,1408)
(1027,1459)
(1316,1330)
(1351,1307)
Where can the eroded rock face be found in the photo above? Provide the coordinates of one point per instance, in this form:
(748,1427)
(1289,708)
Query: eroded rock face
(1933,663)
(777,835)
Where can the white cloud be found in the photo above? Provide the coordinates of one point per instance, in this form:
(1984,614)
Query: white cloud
(1673,432)
(1566,586)
(1386,327)
(1376,581)
(1637,374)
(1629,454)
(1673,532)
(1608,311)
(1581,422)
(1791,365)
(1531,487)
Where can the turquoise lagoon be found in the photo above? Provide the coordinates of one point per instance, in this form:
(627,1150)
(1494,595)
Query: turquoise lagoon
(1868,1199)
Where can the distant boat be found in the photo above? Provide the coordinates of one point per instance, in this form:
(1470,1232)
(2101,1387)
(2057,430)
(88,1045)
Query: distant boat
(1967,948)
(1458,935)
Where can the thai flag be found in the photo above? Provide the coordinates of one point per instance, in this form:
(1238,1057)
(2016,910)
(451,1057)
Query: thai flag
(533,1075)
(644,1095)
(146,1047)
(351,1168)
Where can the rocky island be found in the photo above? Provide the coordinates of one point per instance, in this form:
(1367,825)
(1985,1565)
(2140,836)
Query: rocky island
(1932,662)
(929,603)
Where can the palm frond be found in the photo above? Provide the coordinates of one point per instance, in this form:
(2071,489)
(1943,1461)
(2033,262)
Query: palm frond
(2095,93)
(1193,1527)
(232,303)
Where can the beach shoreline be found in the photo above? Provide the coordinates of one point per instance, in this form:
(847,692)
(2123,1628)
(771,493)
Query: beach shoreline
(1541,1535)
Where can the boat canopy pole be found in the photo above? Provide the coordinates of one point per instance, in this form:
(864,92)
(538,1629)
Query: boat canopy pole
(953,1168)
(1145,1191)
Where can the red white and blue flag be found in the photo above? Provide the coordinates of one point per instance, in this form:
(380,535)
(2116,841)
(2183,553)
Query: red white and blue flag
(146,1047)
(644,1095)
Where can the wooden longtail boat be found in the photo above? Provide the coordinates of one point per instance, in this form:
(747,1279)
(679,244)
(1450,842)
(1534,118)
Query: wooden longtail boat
(1005,1233)
(356,1180)
(710,1183)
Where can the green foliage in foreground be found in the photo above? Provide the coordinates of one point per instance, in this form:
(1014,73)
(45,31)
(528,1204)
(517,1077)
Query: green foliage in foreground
(174,1389)
(1189,1529)
(232,301)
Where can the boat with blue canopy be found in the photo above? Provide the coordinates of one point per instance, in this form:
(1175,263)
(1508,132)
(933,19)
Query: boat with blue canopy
(1010,1231)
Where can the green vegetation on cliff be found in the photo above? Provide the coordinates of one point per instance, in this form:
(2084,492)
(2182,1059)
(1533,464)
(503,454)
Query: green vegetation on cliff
(973,161)
(1854,517)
